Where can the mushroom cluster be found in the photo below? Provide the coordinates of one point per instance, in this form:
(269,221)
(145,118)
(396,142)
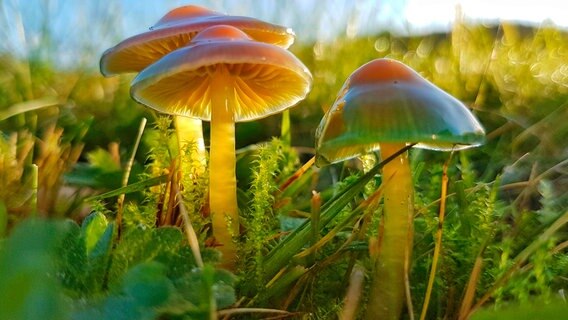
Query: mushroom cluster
(385,105)
(208,66)
(205,65)
(173,31)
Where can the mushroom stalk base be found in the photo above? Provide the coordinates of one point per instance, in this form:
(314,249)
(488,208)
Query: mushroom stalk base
(222,177)
(387,294)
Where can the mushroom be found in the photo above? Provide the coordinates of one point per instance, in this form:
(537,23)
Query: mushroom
(385,105)
(223,76)
(175,30)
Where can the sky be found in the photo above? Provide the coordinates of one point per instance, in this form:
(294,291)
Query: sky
(76,32)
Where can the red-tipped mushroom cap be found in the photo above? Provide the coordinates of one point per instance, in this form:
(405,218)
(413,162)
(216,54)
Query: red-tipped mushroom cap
(385,101)
(175,30)
(266,78)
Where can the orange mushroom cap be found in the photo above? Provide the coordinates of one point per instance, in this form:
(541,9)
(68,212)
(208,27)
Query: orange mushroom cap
(175,30)
(385,101)
(266,78)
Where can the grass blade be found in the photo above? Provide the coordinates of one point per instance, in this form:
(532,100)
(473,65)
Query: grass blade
(521,258)
(285,133)
(298,173)
(135,187)
(27,106)
(438,245)
(189,231)
(353,295)
(120,202)
(471,286)
(280,255)
(369,202)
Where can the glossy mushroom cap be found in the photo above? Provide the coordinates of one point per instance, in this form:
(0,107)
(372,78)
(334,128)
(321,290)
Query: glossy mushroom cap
(385,101)
(175,30)
(267,79)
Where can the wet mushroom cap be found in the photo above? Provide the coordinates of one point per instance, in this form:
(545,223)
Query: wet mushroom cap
(175,30)
(385,101)
(267,79)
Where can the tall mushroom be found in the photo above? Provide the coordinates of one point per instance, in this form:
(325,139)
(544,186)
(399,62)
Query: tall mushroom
(175,30)
(223,76)
(385,105)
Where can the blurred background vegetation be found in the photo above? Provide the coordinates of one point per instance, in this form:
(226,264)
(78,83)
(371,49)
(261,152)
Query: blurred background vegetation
(514,77)
(66,131)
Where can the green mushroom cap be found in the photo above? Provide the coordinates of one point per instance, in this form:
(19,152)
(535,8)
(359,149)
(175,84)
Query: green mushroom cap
(385,101)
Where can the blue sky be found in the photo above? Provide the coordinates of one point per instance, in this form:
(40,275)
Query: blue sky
(76,32)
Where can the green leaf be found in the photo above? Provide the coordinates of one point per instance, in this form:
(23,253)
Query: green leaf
(148,285)
(143,292)
(207,289)
(72,260)
(128,252)
(84,255)
(93,228)
(168,246)
(103,245)
(98,259)
(223,290)
(549,310)
(28,288)
(164,241)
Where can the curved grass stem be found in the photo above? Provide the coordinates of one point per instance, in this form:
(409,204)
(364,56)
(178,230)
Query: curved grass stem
(126,176)
(438,245)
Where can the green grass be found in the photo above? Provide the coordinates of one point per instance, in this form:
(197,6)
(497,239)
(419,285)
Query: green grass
(504,237)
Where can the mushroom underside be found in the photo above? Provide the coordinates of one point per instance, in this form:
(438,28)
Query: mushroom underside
(257,94)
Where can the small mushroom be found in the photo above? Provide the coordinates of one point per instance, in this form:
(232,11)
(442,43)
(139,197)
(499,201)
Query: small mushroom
(385,105)
(175,30)
(223,76)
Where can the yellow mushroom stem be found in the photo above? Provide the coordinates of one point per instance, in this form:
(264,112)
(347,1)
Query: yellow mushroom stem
(388,290)
(222,178)
(190,131)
